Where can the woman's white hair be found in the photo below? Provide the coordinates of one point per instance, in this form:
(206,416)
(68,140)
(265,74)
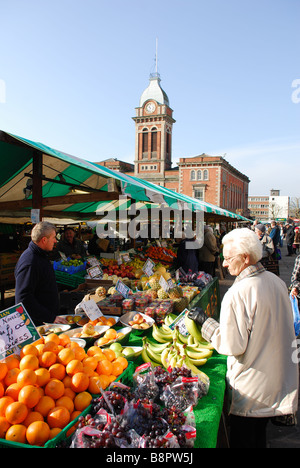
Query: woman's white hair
(244,241)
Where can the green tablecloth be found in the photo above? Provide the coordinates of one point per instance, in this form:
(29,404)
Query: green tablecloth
(209,409)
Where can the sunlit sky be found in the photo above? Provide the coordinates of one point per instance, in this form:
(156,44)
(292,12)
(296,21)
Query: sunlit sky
(72,73)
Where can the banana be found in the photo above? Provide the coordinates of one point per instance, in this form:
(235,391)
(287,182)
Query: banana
(192,328)
(146,358)
(198,362)
(196,353)
(190,340)
(203,344)
(182,338)
(166,329)
(164,357)
(161,336)
(156,347)
(169,319)
(195,370)
(153,356)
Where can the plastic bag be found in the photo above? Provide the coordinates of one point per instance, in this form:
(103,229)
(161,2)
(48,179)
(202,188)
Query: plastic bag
(294,302)
(182,393)
(144,381)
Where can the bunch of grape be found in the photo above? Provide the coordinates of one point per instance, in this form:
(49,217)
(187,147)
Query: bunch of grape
(111,436)
(115,401)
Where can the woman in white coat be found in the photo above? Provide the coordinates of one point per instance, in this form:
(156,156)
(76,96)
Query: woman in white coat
(256,332)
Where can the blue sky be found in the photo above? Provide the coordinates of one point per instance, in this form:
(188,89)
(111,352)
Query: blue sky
(72,73)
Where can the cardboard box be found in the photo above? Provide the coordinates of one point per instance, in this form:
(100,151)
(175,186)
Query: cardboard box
(95,283)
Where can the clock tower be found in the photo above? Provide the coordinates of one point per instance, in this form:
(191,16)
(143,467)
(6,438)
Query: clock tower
(153,133)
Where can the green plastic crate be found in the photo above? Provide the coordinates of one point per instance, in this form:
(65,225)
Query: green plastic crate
(70,280)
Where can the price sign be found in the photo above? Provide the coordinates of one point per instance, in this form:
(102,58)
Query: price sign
(95,271)
(93,261)
(16,330)
(148,267)
(180,323)
(164,284)
(91,309)
(123,289)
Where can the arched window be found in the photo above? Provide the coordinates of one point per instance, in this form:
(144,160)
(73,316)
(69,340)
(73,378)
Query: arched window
(205,174)
(193,175)
(145,143)
(154,142)
(199,174)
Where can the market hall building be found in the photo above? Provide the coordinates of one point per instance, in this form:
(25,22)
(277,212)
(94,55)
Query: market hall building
(208,178)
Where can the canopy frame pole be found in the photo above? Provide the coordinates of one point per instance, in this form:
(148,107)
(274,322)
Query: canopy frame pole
(37,176)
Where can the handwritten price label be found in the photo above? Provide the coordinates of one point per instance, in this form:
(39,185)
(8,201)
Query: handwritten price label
(16,330)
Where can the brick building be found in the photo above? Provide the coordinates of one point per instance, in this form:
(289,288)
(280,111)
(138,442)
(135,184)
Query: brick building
(209,178)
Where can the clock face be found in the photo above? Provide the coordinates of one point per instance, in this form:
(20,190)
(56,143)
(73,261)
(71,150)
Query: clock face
(150,107)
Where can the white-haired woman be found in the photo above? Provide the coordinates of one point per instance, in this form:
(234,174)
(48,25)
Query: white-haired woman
(256,333)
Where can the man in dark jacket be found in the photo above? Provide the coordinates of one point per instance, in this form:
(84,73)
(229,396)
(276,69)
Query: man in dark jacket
(289,237)
(36,285)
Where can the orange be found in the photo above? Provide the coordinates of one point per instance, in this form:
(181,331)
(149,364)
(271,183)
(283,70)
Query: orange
(53,337)
(110,334)
(16,412)
(70,393)
(13,391)
(29,362)
(12,361)
(38,433)
(104,381)
(94,350)
(29,349)
(29,395)
(3,370)
(80,382)
(1,389)
(66,402)
(16,433)
(4,426)
(65,356)
(33,416)
(102,341)
(57,371)
(88,371)
(73,344)
(51,346)
(82,401)
(104,367)
(93,386)
(74,415)
(40,348)
(111,378)
(11,376)
(117,368)
(58,417)
(79,353)
(27,377)
(67,381)
(110,354)
(43,376)
(110,322)
(45,404)
(4,402)
(123,361)
(64,339)
(91,362)
(54,432)
(47,359)
(74,366)
(55,389)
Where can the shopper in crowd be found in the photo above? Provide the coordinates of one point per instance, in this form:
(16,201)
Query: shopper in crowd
(70,245)
(36,285)
(289,237)
(296,243)
(265,240)
(255,331)
(208,252)
(295,280)
(187,255)
(275,236)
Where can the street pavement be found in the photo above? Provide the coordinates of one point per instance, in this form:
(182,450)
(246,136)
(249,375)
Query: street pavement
(277,436)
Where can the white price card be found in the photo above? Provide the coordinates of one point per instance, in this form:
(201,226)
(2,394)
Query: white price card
(123,289)
(91,309)
(95,271)
(148,267)
(164,284)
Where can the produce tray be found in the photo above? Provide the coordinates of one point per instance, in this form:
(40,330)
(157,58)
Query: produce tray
(125,377)
(71,270)
(70,280)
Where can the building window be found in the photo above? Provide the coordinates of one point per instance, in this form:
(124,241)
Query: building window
(199,193)
(145,143)
(205,174)
(193,175)
(199,175)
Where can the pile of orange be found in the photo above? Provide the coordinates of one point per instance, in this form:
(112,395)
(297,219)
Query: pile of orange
(49,385)
(109,336)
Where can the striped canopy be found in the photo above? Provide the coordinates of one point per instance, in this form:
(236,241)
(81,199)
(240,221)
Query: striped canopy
(33,175)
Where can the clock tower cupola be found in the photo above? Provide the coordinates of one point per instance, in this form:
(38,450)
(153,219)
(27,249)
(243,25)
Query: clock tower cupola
(153,133)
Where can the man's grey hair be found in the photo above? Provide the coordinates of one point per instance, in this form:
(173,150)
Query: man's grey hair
(42,229)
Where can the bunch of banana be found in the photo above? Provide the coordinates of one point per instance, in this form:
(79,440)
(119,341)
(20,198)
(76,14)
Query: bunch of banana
(162,334)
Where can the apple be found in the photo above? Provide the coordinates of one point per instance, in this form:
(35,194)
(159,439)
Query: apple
(116,347)
(128,351)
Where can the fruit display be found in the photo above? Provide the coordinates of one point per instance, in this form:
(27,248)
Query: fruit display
(160,254)
(172,349)
(49,384)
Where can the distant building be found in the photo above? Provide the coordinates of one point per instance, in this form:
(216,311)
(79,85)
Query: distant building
(208,178)
(267,208)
